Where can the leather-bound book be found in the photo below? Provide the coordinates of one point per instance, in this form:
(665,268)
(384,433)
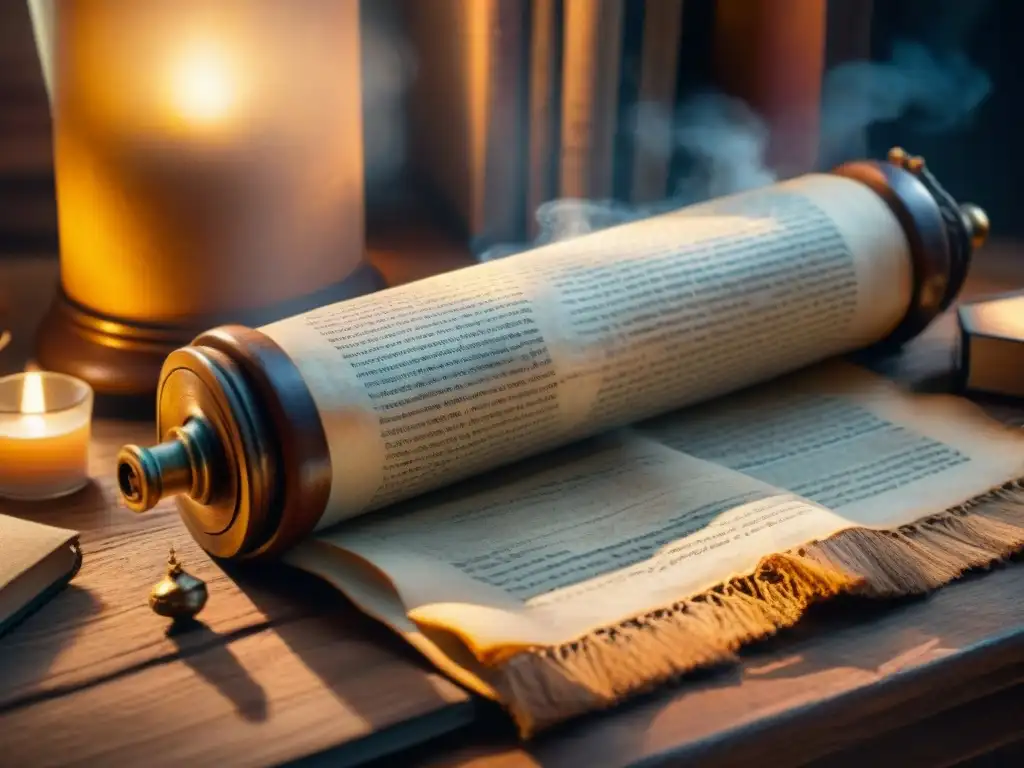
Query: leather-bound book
(991,348)
(36,562)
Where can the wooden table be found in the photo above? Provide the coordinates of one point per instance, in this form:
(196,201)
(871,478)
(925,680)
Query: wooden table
(283,669)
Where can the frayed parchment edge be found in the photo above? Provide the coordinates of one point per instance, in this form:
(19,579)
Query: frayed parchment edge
(544,686)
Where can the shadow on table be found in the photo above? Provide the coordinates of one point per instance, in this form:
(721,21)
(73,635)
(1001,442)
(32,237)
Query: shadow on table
(73,606)
(219,667)
(55,623)
(383,681)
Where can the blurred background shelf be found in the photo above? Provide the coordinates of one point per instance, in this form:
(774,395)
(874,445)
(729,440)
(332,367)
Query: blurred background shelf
(472,135)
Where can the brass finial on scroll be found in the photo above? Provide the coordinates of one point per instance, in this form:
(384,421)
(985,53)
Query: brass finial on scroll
(179,595)
(977,222)
(974,218)
(898,156)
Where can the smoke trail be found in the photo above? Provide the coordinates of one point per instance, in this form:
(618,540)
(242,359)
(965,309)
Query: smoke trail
(938,92)
(724,142)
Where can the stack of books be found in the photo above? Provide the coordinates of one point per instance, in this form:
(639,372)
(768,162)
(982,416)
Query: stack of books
(520,102)
(615,108)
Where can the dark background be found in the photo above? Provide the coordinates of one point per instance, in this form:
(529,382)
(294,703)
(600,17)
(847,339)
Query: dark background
(28,214)
(981,160)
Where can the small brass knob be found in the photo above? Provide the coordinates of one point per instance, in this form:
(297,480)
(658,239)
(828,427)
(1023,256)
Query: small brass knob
(977,222)
(898,156)
(179,595)
(179,465)
(902,159)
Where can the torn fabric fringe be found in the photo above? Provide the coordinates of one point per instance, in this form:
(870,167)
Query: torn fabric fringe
(542,687)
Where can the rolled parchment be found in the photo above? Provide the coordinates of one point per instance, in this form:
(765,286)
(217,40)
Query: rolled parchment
(272,433)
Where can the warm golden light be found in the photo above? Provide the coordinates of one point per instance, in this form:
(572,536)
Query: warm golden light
(45,426)
(33,400)
(203,88)
(33,405)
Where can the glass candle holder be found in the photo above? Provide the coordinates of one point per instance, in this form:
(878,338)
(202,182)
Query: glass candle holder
(209,170)
(45,425)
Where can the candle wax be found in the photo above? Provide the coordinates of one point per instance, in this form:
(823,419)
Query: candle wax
(44,455)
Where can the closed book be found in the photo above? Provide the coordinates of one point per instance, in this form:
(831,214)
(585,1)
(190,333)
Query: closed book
(991,346)
(36,562)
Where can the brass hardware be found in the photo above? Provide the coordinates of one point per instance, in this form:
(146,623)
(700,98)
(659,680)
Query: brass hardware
(899,157)
(977,223)
(213,457)
(240,447)
(975,218)
(179,595)
(179,465)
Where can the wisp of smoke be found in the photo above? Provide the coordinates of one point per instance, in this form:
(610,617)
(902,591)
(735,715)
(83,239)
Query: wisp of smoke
(936,92)
(725,142)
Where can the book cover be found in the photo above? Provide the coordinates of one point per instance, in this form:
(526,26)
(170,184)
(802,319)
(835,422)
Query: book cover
(36,562)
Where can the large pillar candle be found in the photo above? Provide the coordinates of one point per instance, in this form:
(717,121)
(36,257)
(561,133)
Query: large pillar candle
(209,161)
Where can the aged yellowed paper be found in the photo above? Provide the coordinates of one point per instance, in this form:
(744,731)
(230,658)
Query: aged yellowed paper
(636,521)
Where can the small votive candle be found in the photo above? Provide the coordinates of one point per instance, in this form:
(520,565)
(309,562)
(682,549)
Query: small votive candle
(45,425)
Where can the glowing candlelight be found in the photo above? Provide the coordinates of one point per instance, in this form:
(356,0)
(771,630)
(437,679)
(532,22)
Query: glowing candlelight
(44,435)
(203,87)
(209,162)
(33,404)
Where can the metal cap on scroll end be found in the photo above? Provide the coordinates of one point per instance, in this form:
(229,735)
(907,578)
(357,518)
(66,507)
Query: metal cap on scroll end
(183,464)
(214,457)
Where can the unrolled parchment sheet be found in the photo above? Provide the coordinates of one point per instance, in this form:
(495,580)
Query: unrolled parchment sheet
(621,534)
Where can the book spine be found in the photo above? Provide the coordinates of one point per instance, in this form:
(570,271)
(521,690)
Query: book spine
(544,82)
(503,189)
(652,151)
(590,82)
(771,54)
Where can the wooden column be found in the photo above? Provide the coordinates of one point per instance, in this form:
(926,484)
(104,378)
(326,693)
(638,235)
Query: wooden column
(771,54)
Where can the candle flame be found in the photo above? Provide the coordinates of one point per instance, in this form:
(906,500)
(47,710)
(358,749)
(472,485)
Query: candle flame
(33,399)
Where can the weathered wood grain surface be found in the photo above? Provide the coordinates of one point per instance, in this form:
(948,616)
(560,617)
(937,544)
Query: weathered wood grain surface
(282,668)
(849,675)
